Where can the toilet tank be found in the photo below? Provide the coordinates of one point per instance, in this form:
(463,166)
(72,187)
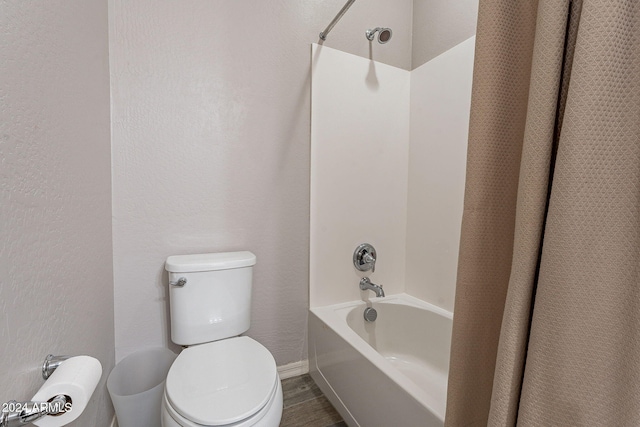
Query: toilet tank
(215,301)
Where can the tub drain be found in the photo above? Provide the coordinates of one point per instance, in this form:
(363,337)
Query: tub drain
(370,314)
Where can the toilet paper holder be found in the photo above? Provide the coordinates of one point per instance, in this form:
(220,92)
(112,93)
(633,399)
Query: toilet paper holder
(16,414)
(51,363)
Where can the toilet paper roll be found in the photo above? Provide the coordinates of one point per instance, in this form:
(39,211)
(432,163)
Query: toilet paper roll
(77,378)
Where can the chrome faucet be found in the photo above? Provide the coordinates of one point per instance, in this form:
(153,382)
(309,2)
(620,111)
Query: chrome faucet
(365,284)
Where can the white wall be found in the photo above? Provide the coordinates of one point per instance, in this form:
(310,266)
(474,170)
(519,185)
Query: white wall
(359,150)
(440,105)
(56,279)
(439,25)
(211,119)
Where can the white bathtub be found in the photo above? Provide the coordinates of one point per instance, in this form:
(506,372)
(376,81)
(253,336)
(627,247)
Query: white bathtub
(391,372)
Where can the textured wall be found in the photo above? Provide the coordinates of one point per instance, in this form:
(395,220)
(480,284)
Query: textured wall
(439,25)
(359,157)
(440,106)
(211,119)
(56,283)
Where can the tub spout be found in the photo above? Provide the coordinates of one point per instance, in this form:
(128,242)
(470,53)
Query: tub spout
(365,284)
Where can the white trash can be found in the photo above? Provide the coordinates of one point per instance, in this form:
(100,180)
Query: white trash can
(136,387)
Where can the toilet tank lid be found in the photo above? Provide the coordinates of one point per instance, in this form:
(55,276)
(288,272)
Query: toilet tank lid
(209,262)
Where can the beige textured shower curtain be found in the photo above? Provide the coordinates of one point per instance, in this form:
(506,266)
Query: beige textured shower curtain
(547,312)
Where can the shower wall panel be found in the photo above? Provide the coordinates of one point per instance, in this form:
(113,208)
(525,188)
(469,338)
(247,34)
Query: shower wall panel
(440,105)
(359,156)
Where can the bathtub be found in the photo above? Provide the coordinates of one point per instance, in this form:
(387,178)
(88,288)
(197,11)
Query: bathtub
(391,372)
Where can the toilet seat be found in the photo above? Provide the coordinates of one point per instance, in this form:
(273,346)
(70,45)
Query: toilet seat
(222,382)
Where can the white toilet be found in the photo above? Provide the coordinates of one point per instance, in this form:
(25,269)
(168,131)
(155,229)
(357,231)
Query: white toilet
(221,379)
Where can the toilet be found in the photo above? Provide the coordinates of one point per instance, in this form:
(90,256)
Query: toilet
(221,378)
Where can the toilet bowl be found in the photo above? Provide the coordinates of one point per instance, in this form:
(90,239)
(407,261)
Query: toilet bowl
(221,378)
(268,416)
(232,382)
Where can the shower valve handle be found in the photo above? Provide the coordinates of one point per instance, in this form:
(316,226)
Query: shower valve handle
(364,258)
(369,259)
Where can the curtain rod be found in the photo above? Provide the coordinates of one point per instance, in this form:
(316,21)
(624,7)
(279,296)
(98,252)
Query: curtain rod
(325,33)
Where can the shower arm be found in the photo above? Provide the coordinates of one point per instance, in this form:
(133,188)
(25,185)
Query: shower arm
(325,33)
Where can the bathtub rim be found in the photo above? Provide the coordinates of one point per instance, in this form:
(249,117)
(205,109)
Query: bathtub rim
(335,317)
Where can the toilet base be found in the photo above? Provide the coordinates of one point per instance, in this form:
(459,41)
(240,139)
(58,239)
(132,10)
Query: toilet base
(269,416)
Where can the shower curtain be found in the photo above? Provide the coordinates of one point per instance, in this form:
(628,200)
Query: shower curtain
(547,312)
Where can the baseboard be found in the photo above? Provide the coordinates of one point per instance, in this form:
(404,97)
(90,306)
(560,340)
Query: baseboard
(294,369)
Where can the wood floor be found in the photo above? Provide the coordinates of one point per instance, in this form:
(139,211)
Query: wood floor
(306,406)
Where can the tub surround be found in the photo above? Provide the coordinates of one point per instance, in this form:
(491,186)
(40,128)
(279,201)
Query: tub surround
(388,149)
(437,170)
(359,157)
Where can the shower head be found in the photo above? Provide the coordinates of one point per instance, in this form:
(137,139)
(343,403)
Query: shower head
(384,34)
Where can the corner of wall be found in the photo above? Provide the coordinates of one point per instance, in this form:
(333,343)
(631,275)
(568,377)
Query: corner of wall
(439,128)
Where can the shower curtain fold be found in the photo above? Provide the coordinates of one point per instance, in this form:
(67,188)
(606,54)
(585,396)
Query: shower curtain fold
(547,312)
